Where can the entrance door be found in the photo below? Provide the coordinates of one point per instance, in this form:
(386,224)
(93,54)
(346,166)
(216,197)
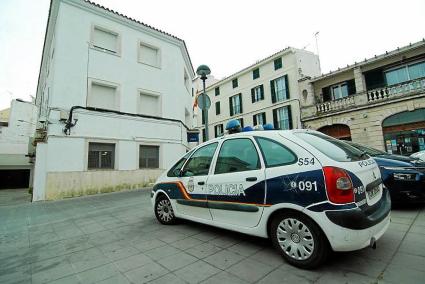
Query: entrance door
(236,189)
(194,178)
(14,179)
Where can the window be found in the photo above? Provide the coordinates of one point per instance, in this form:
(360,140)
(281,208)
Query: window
(256,73)
(237,155)
(175,170)
(235,83)
(200,162)
(103,96)
(274,153)
(235,103)
(280,89)
(257,94)
(218,130)
(333,148)
(217,91)
(259,118)
(405,73)
(186,80)
(240,122)
(149,104)
(339,91)
(282,118)
(148,157)
(278,63)
(149,55)
(101,156)
(105,39)
(217,108)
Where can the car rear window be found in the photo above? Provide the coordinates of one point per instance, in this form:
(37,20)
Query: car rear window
(333,148)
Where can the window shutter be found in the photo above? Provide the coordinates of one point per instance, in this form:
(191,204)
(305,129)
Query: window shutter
(240,101)
(231,106)
(264,117)
(326,94)
(254,118)
(273,91)
(275,119)
(253,95)
(351,87)
(241,121)
(215,131)
(287,87)
(290,117)
(262,92)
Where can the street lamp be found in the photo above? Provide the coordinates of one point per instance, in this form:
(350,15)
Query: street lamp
(203,71)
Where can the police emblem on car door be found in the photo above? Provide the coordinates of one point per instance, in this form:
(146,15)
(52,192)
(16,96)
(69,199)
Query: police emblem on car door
(194,178)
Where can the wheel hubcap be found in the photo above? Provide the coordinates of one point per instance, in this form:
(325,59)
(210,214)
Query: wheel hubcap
(295,239)
(164,210)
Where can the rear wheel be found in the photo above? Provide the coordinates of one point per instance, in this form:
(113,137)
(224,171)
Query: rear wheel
(164,211)
(299,240)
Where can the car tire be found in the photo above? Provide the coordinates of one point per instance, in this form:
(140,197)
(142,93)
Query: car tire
(164,211)
(299,240)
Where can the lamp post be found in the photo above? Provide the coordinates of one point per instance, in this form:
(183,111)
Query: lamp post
(203,71)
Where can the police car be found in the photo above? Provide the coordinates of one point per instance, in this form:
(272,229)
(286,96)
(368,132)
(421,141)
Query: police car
(308,192)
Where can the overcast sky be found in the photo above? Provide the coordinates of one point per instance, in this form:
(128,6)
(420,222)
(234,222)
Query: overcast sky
(226,35)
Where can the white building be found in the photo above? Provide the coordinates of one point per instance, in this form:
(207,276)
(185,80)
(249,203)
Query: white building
(17,125)
(265,92)
(95,58)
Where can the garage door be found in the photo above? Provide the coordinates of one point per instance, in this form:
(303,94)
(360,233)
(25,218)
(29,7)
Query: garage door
(14,179)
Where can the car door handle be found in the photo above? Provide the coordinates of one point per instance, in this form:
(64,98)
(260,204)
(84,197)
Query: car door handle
(201,182)
(251,178)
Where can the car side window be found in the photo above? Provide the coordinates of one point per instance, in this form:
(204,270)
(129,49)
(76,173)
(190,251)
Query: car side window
(175,170)
(200,162)
(237,155)
(274,153)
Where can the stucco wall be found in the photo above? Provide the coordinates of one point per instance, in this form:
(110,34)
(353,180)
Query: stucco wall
(70,184)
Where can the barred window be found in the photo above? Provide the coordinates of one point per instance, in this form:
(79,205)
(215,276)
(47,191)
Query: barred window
(148,157)
(101,156)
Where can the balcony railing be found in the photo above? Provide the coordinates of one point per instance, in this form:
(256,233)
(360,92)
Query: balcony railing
(335,105)
(403,88)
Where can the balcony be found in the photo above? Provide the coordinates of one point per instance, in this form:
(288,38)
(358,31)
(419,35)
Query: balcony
(404,88)
(370,97)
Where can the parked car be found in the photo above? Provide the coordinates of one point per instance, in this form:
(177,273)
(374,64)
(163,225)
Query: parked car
(308,192)
(403,176)
(419,155)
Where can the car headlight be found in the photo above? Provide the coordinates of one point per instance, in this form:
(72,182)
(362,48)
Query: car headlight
(400,173)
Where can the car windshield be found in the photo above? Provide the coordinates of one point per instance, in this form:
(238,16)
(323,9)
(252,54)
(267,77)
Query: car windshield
(335,149)
(369,150)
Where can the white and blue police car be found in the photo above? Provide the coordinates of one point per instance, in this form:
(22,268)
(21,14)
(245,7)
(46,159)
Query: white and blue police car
(308,192)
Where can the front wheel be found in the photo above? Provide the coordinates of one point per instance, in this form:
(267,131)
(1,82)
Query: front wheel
(299,240)
(164,211)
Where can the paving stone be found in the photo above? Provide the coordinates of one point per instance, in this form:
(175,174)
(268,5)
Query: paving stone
(161,252)
(282,276)
(413,244)
(145,245)
(268,256)
(116,279)
(186,243)
(245,248)
(97,274)
(203,250)
(87,259)
(118,250)
(224,277)
(177,261)
(51,269)
(196,272)
(132,262)
(146,273)
(250,270)
(337,277)
(71,279)
(400,274)
(224,259)
(410,261)
(169,278)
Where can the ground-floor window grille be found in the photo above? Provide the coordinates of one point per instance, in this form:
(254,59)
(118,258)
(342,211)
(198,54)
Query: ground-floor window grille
(149,157)
(101,156)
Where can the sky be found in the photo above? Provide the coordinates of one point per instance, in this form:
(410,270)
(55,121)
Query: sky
(226,35)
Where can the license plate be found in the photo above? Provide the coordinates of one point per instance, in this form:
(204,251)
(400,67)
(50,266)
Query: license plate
(373,192)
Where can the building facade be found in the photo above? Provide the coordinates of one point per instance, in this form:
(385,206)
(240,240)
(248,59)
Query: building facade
(265,92)
(17,125)
(114,100)
(378,102)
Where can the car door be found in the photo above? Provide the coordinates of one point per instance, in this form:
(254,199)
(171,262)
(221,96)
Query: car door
(194,176)
(236,188)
